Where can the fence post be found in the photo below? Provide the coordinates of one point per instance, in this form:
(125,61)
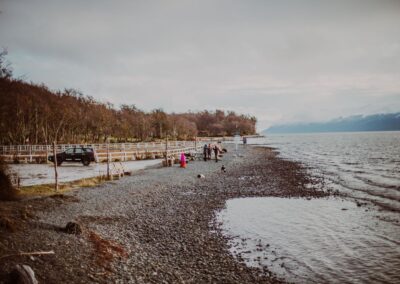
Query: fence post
(47,153)
(123,145)
(108,160)
(55,166)
(30,153)
(166,151)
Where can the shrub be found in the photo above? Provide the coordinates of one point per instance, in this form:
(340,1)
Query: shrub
(7,190)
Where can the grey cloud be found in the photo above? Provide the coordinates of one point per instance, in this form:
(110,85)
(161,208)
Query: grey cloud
(267,58)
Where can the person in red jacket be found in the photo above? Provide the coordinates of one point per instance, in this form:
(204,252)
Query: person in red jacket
(183,160)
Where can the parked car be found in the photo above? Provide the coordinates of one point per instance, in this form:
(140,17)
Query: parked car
(85,155)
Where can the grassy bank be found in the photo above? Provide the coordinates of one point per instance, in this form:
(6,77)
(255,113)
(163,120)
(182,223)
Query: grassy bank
(49,189)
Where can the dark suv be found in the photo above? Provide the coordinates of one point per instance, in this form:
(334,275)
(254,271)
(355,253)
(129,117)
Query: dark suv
(84,155)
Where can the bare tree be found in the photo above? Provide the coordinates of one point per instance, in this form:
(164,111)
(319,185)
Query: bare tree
(5,65)
(31,113)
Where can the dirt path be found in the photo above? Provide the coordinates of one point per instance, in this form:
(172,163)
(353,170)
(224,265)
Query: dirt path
(154,227)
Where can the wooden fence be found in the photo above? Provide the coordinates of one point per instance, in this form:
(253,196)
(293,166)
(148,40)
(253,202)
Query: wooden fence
(116,151)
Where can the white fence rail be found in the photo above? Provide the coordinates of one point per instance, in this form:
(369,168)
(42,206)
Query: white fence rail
(117,151)
(6,149)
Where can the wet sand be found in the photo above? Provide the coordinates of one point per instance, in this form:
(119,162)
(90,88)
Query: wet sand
(157,226)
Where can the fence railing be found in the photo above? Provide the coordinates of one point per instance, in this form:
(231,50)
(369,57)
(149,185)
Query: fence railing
(6,149)
(116,151)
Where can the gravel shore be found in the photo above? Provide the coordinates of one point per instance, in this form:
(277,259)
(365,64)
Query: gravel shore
(156,226)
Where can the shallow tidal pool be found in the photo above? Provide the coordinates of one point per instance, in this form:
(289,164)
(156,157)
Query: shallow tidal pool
(326,240)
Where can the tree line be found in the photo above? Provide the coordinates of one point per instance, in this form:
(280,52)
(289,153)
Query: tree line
(33,114)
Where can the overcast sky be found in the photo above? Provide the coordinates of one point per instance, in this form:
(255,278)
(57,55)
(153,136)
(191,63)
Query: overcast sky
(282,61)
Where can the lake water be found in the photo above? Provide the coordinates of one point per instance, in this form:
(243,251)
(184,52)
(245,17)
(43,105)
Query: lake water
(327,240)
(34,174)
(365,165)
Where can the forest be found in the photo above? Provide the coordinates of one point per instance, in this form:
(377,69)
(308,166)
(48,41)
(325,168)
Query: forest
(33,114)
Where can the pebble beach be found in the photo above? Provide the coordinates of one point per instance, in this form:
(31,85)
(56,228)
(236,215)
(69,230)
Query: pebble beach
(156,226)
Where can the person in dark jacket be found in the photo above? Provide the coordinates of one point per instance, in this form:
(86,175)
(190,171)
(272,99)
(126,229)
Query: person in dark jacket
(216,152)
(205,152)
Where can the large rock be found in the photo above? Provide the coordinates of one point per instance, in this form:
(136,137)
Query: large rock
(22,274)
(73,228)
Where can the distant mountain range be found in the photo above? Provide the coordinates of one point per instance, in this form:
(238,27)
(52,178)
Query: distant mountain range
(376,122)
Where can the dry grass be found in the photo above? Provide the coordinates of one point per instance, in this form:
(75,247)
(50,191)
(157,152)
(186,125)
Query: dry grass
(7,190)
(48,189)
(12,217)
(106,251)
(7,224)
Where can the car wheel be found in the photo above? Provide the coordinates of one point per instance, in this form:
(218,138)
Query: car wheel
(86,162)
(59,162)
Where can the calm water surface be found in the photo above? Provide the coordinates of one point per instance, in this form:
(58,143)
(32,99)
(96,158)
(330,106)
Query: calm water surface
(327,240)
(313,241)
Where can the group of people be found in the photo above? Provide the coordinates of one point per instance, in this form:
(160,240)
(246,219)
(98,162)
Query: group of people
(207,152)
(209,149)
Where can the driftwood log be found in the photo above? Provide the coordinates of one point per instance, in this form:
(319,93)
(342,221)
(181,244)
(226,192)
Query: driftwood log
(28,253)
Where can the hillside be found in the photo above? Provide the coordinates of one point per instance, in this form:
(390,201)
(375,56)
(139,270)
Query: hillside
(376,122)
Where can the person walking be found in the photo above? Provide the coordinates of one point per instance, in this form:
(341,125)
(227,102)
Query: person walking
(205,152)
(209,150)
(216,152)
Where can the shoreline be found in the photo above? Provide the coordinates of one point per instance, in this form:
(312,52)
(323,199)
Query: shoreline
(163,221)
